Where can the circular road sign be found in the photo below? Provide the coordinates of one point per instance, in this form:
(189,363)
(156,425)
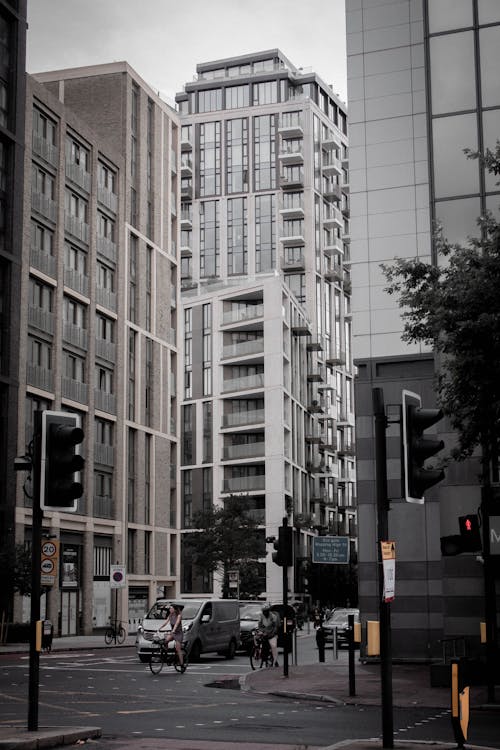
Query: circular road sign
(49,549)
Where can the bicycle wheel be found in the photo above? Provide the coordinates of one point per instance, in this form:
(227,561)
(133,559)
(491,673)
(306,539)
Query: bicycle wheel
(256,657)
(121,634)
(108,636)
(156,662)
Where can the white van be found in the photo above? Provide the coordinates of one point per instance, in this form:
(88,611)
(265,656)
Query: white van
(208,625)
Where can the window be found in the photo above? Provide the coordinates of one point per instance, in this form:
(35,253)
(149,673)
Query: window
(148,380)
(237,155)
(39,353)
(209,100)
(207,349)
(42,182)
(265,152)
(105,277)
(209,239)
(188,353)
(40,295)
(210,159)
(103,431)
(104,379)
(452,72)
(106,177)
(187,498)
(42,239)
(76,206)
(77,154)
(187,434)
(149,285)
(44,127)
(265,233)
(73,367)
(133,206)
(131,373)
(265,92)
(132,279)
(147,477)
(207,435)
(237,96)
(75,313)
(105,328)
(237,251)
(131,472)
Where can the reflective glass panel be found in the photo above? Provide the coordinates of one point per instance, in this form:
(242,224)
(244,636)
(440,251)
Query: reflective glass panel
(491,133)
(452,73)
(449,14)
(489,11)
(489,40)
(459,219)
(454,174)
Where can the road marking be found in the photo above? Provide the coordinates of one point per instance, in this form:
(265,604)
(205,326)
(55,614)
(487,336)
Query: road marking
(141,711)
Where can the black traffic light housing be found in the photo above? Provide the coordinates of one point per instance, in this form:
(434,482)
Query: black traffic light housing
(469,539)
(417,448)
(283,547)
(60,461)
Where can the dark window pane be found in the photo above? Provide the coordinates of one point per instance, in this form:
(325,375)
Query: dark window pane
(452,73)
(489,11)
(449,14)
(489,40)
(459,219)
(453,173)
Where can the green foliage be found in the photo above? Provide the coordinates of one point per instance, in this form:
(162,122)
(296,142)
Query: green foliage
(455,308)
(227,538)
(16,567)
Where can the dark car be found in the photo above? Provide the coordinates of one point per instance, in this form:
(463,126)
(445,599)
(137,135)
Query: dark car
(249,618)
(339,620)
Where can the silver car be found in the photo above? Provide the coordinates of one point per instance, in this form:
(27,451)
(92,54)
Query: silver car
(339,620)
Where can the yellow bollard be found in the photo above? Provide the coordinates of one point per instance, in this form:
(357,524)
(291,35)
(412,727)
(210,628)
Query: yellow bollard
(373,638)
(482,630)
(38,635)
(357,632)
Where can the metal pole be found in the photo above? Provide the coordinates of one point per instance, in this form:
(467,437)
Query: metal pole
(352,675)
(285,607)
(490,615)
(36,553)
(382,536)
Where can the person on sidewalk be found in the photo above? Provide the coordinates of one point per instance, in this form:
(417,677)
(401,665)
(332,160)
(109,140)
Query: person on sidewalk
(175,634)
(269,625)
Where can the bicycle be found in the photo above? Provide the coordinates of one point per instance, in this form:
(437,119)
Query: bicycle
(260,655)
(115,632)
(166,653)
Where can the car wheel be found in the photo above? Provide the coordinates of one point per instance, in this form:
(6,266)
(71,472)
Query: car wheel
(195,652)
(230,653)
(144,658)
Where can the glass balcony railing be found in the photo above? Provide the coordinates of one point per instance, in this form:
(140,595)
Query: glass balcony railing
(244,383)
(244,484)
(247,450)
(241,418)
(243,348)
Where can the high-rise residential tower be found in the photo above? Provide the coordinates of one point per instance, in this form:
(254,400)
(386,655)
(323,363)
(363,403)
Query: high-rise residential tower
(423,85)
(267,374)
(98,332)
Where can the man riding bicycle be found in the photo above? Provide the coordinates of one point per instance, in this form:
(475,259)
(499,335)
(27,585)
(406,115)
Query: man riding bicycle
(269,625)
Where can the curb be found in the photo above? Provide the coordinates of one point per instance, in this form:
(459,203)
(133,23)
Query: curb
(48,737)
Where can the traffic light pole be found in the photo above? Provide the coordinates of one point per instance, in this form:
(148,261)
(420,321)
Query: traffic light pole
(285,608)
(382,536)
(36,549)
(490,614)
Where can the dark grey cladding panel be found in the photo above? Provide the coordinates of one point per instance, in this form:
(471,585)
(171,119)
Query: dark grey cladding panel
(197,352)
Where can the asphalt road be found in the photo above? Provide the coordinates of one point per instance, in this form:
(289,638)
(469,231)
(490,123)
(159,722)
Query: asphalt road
(113,690)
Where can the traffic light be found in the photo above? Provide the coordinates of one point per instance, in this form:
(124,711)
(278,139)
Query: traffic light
(60,461)
(469,539)
(417,448)
(283,546)
(470,533)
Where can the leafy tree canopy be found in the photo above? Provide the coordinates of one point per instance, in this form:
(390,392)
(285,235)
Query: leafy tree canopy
(227,539)
(454,306)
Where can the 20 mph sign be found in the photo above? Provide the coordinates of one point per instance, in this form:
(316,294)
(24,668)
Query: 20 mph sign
(49,562)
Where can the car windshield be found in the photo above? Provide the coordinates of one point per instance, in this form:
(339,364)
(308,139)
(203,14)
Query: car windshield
(342,616)
(161,610)
(250,612)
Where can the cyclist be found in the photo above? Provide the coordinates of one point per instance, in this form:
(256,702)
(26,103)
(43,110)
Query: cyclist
(174,619)
(269,625)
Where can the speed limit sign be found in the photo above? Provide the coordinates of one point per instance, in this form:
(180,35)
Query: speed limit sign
(49,562)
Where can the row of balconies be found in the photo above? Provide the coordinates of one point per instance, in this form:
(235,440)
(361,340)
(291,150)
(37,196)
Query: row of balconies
(74,390)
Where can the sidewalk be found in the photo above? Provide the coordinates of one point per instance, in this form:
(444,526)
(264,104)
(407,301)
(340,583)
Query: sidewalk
(318,681)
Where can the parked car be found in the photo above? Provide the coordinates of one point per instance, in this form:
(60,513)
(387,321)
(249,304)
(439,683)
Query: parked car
(249,618)
(208,625)
(339,620)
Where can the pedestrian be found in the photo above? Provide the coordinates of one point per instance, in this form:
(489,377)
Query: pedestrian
(269,625)
(175,633)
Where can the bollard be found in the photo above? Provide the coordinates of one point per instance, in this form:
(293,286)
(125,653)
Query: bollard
(320,642)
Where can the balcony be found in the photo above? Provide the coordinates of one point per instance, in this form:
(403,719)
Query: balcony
(315,345)
(74,390)
(186,192)
(41,319)
(316,406)
(105,401)
(332,166)
(186,221)
(105,298)
(335,274)
(256,482)
(291,155)
(105,349)
(244,383)
(76,227)
(336,358)
(39,377)
(44,205)
(186,251)
(292,212)
(186,167)
(301,328)
(293,240)
(333,218)
(43,261)
(106,247)
(293,262)
(241,314)
(330,144)
(314,437)
(332,190)
(77,281)
(315,374)
(292,180)
(248,450)
(186,145)
(103,506)
(42,147)
(107,198)
(291,128)
(78,175)
(75,335)
(243,348)
(346,450)
(243,418)
(104,454)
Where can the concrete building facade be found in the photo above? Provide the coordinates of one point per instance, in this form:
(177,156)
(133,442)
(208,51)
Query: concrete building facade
(422,87)
(267,373)
(98,335)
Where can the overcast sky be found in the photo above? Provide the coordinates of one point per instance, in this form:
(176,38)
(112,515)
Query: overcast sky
(163,40)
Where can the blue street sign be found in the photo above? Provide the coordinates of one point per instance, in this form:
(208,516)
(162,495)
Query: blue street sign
(330,549)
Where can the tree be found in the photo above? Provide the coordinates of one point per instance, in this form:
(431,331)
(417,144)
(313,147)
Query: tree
(16,569)
(454,306)
(227,539)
